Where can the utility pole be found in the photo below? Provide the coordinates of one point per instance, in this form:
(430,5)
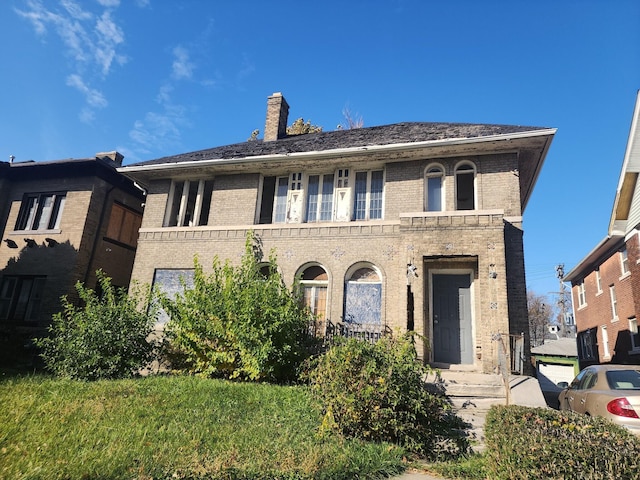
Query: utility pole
(562,301)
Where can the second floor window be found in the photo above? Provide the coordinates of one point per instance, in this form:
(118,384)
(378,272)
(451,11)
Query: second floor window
(434,180)
(465,186)
(124,225)
(41,211)
(582,298)
(367,203)
(188,203)
(624,261)
(320,198)
(614,302)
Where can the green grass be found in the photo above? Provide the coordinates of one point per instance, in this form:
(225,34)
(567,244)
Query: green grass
(173,428)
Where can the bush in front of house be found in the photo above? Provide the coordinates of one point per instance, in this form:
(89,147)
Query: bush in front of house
(239,322)
(377,392)
(527,443)
(107,336)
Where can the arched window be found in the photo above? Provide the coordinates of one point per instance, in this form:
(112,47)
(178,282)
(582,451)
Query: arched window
(363,295)
(434,188)
(465,186)
(314,281)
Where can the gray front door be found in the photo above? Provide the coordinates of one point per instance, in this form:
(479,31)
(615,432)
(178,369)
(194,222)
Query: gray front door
(452,340)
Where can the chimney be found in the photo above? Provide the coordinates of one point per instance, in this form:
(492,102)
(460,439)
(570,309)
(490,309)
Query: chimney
(277,114)
(114,157)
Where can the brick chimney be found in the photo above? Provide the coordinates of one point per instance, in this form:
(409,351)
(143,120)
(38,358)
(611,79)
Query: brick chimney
(277,114)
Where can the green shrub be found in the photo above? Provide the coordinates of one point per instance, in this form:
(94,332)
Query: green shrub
(532,443)
(108,336)
(377,392)
(239,322)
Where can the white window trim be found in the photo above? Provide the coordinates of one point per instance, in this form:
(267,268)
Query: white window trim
(581,293)
(614,303)
(367,194)
(598,281)
(474,169)
(606,353)
(184,200)
(624,263)
(427,176)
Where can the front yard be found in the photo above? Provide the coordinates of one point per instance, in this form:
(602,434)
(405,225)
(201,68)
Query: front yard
(173,428)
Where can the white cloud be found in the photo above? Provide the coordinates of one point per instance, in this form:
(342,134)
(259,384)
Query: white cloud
(182,66)
(93,97)
(109,3)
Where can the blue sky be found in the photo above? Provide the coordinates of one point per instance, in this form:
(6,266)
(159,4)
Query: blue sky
(151,78)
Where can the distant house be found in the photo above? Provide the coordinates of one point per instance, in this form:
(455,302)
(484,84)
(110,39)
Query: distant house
(606,283)
(556,364)
(60,222)
(409,226)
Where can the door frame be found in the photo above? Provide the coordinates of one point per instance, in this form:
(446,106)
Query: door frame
(429,327)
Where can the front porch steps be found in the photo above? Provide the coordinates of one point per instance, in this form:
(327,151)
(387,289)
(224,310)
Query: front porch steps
(473,393)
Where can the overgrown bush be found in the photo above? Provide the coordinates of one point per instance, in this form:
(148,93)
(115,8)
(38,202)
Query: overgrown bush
(239,322)
(107,336)
(537,443)
(377,392)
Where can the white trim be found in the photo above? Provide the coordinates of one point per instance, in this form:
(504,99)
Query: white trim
(350,151)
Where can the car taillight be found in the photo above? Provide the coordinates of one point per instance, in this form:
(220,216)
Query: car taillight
(622,408)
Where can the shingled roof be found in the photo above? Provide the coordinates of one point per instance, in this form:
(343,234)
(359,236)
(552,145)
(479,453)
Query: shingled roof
(397,133)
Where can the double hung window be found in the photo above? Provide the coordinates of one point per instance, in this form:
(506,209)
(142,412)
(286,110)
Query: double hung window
(320,198)
(188,203)
(367,203)
(41,211)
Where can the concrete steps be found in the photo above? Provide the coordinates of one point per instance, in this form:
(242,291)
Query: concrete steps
(473,393)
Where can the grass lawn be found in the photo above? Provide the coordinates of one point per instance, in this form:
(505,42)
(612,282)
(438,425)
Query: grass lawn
(173,428)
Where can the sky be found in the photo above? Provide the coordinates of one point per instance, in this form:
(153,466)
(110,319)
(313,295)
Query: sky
(151,78)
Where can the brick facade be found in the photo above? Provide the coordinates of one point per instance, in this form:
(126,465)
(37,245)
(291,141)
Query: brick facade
(75,249)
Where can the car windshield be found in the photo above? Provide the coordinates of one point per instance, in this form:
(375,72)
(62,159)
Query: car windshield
(624,379)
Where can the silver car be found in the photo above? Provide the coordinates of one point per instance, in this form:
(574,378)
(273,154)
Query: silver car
(610,391)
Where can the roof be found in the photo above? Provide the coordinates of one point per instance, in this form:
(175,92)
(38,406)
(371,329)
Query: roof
(397,133)
(595,258)
(562,347)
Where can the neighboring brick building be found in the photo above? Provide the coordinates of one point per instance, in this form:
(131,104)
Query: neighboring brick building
(60,222)
(606,283)
(405,226)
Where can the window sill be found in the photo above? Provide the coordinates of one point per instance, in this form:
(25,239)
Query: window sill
(615,319)
(624,275)
(35,232)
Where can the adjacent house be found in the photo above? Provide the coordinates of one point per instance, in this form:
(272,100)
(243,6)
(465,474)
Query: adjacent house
(606,282)
(60,222)
(409,226)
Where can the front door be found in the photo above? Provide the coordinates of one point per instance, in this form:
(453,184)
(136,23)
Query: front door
(452,335)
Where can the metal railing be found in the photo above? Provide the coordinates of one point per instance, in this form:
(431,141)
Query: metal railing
(369,332)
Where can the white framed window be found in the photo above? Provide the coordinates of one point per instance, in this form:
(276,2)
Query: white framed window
(624,261)
(582,294)
(314,281)
(605,342)
(367,198)
(434,188)
(634,334)
(614,303)
(41,211)
(598,281)
(320,198)
(465,175)
(188,203)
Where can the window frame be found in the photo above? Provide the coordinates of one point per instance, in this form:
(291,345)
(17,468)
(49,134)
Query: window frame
(33,206)
(463,168)
(368,200)
(32,303)
(177,208)
(634,334)
(614,302)
(624,262)
(431,172)
(581,294)
(606,353)
(598,281)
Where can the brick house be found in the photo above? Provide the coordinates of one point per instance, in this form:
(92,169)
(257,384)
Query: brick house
(605,284)
(405,226)
(60,222)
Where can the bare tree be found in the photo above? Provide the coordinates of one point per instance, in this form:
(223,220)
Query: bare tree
(540,314)
(351,120)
